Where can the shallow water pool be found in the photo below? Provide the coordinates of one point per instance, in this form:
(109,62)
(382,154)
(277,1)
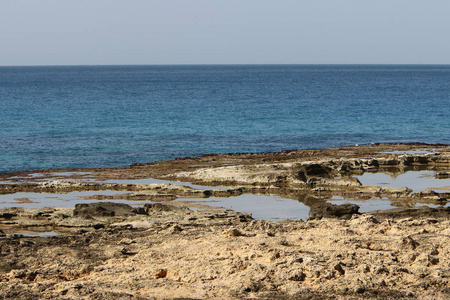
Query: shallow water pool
(415,180)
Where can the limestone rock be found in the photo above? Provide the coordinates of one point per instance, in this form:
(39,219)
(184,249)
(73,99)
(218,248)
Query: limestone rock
(328,210)
(102,209)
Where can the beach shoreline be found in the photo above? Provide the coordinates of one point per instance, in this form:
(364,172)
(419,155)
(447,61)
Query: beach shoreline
(168,248)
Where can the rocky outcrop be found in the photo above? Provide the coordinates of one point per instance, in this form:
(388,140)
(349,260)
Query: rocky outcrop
(167,251)
(328,210)
(102,209)
(198,255)
(413,213)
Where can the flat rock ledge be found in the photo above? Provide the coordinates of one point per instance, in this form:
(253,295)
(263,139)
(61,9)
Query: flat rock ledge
(165,250)
(159,251)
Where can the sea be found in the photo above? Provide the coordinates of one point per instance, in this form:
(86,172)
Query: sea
(106,116)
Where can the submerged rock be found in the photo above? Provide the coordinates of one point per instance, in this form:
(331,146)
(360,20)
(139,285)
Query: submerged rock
(415,212)
(102,209)
(328,210)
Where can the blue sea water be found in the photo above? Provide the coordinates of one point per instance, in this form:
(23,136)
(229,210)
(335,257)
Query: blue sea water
(102,116)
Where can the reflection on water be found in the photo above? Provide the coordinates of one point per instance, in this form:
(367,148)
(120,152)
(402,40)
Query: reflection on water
(151,181)
(260,206)
(411,152)
(40,200)
(37,233)
(366,205)
(379,204)
(272,208)
(86,177)
(415,180)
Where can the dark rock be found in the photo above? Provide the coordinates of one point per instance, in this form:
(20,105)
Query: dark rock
(297,276)
(408,160)
(409,242)
(328,210)
(158,207)
(7,215)
(338,267)
(160,273)
(140,211)
(442,175)
(98,226)
(102,209)
(304,173)
(373,163)
(421,159)
(416,212)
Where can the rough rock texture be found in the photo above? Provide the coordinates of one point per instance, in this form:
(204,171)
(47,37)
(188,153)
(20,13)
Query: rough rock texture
(102,209)
(161,251)
(328,210)
(225,256)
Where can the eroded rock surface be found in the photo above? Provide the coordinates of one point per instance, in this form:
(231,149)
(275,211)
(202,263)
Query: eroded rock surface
(169,251)
(171,254)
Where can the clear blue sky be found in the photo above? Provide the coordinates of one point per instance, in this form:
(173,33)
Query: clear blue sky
(80,32)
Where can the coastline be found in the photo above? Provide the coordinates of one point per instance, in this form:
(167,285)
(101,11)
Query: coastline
(166,249)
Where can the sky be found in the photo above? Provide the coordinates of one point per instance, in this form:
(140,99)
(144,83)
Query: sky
(112,32)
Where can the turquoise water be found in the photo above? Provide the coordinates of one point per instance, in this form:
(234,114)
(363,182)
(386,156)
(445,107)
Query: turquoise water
(100,116)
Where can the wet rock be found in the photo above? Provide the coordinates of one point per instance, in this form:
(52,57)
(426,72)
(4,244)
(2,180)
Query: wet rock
(7,215)
(328,210)
(102,209)
(140,211)
(404,191)
(159,207)
(442,175)
(305,173)
(226,192)
(416,212)
(98,226)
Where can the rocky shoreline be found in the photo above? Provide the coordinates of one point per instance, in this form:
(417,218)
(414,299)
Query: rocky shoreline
(169,249)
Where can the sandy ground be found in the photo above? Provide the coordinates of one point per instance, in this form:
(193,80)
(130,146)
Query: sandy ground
(168,251)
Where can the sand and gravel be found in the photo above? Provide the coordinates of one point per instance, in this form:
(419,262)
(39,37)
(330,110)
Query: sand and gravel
(169,249)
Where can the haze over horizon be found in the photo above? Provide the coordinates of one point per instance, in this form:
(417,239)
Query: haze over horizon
(148,32)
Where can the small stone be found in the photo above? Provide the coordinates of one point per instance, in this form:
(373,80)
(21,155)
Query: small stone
(234,232)
(176,229)
(275,255)
(160,273)
(126,242)
(284,242)
(297,276)
(434,252)
(270,233)
(7,216)
(338,267)
(98,226)
(409,242)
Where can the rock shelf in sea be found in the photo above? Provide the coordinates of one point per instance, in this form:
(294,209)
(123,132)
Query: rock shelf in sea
(135,238)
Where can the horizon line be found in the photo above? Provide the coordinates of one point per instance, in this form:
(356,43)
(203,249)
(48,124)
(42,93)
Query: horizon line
(236,64)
